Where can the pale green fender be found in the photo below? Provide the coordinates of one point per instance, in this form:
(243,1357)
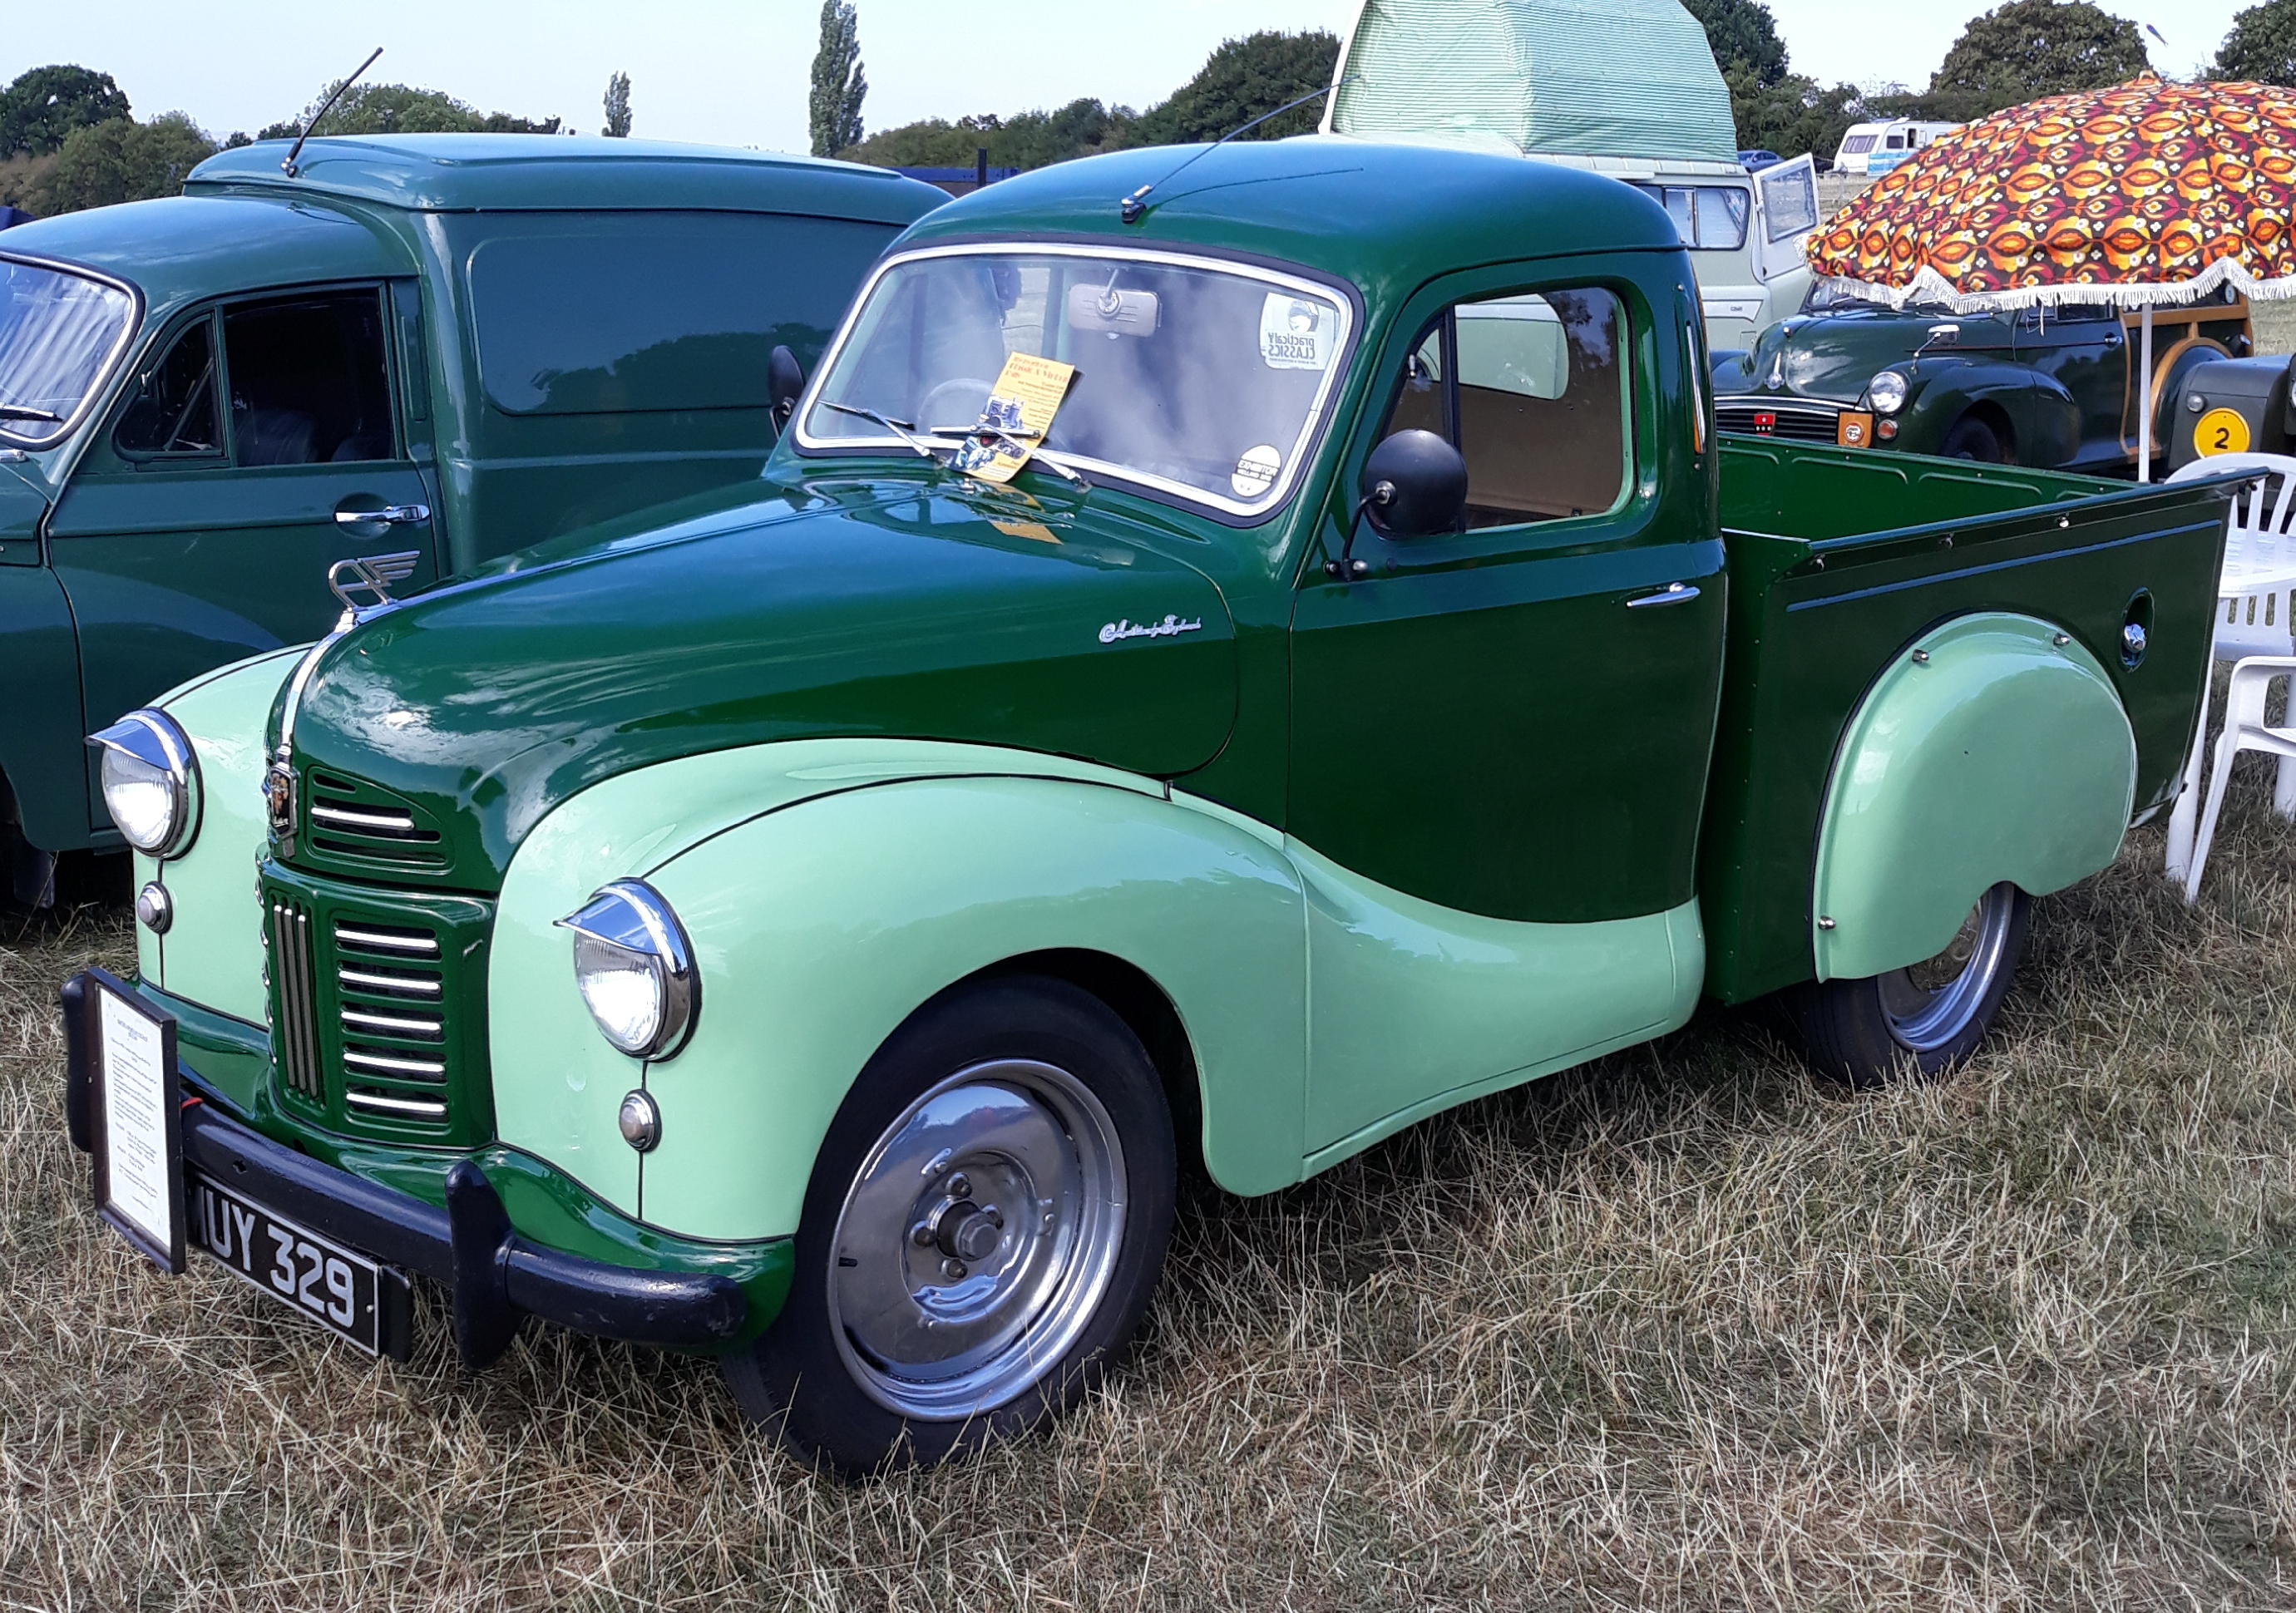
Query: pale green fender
(1413,1008)
(1994,748)
(829,888)
(212,953)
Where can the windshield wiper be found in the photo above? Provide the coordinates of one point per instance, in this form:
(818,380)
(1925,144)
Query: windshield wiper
(905,430)
(1019,443)
(20,412)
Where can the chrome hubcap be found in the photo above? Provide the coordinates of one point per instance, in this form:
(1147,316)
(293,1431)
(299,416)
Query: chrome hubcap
(1933,1001)
(976,1241)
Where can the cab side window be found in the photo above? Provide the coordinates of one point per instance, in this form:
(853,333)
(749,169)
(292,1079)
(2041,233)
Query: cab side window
(309,381)
(1532,391)
(174,414)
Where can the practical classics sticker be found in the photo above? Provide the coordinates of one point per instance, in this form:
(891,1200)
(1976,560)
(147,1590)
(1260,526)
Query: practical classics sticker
(1295,334)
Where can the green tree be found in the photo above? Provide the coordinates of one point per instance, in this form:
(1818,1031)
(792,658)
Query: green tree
(1246,79)
(2030,48)
(122,160)
(839,84)
(44,106)
(2262,45)
(401,109)
(1744,39)
(1795,115)
(618,108)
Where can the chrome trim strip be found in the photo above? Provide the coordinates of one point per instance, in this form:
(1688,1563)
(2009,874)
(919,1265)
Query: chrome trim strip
(428,1069)
(405,985)
(391,1025)
(352,817)
(428,1109)
(1303,446)
(418,946)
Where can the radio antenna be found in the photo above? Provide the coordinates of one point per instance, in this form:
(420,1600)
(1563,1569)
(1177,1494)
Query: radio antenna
(288,167)
(1134,208)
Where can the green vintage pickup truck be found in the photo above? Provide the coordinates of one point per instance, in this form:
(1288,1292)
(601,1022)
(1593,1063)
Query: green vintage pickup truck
(817,927)
(444,345)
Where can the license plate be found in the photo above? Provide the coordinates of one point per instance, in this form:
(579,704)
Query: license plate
(350,1296)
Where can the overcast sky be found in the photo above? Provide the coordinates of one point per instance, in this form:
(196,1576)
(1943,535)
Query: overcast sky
(733,71)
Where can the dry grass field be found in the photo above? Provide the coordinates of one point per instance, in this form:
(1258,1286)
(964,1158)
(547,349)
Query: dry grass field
(1683,1330)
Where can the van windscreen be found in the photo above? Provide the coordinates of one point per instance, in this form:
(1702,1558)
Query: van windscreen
(647,312)
(59,333)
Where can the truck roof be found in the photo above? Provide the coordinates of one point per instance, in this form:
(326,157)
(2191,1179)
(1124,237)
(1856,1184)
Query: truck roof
(1385,217)
(456,173)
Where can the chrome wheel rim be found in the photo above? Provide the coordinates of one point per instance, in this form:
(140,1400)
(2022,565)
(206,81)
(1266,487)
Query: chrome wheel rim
(976,1240)
(1930,1004)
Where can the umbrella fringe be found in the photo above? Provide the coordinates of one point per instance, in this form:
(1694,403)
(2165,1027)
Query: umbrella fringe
(1930,288)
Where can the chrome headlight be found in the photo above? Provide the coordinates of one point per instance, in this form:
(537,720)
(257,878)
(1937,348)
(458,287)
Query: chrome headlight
(635,969)
(1887,391)
(151,782)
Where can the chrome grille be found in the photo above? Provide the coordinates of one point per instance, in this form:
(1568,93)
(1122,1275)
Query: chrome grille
(367,825)
(1766,417)
(391,1015)
(297,1030)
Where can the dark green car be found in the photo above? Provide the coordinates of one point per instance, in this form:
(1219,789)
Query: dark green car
(2054,387)
(440,346)
(813,926)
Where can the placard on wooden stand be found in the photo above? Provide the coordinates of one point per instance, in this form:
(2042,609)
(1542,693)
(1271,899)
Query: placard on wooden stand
(135,1119)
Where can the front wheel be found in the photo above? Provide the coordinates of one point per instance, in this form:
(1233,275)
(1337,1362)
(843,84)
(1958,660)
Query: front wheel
(1970,438)
(985,1225)
(1919,1021)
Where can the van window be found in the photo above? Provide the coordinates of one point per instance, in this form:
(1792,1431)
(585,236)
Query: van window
(175,409)
(1709,217)
(1532,391)
(644,312)
(309,383)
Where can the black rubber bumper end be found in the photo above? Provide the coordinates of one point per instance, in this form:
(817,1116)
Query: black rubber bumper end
(73,999)
(478,1233)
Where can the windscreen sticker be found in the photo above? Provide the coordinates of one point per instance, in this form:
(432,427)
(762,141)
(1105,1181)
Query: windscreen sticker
(1256,470)
(1295,334)
(1016,417)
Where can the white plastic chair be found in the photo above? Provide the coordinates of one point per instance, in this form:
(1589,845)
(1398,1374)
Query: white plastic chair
(2254,599)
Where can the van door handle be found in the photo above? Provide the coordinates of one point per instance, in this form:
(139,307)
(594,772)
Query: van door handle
(1673,593)
(389,515)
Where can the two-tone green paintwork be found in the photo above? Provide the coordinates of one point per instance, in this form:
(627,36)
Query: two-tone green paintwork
(2057,389)
(120,577)
(1994,749)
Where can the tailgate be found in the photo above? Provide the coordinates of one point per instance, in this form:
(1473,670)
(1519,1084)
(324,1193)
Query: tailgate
(1838,559)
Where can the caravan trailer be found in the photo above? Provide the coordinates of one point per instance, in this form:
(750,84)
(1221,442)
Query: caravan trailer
(1871,150)
(1624,88)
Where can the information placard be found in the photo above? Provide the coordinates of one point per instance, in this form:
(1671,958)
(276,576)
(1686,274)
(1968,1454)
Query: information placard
(135,1114)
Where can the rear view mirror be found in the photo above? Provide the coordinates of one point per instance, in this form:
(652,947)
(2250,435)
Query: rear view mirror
(784,384)
(1414,484)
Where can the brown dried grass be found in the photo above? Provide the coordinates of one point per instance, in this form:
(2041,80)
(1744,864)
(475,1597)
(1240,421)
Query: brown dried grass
(1682,1330)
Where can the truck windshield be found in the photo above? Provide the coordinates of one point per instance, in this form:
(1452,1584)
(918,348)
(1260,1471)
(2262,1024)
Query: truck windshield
(58,334)
(1204,380)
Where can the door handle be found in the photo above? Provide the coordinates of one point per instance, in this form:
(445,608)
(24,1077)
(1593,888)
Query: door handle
(1673,593)
(389,515)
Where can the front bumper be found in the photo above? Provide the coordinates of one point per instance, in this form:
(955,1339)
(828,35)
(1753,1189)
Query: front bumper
(494,1274)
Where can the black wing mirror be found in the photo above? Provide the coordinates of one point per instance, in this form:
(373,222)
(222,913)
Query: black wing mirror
(784,385)
(1414,484)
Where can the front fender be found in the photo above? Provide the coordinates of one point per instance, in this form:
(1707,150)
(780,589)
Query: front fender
(832,887)
(2045,422)
(40,735)
(2004,755)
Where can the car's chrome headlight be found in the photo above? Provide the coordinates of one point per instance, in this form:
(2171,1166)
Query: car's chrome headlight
(1887,392)
(635,969)
(151,782)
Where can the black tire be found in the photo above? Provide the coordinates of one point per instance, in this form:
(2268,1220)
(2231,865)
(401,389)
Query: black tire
(1970,438)
(857,1394)
(1918,1023)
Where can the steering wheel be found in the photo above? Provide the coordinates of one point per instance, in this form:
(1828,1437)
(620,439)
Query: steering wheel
(930,414)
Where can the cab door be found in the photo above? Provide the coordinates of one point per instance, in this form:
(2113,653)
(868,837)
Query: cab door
(2085,350)
(1516,723)
(261,445)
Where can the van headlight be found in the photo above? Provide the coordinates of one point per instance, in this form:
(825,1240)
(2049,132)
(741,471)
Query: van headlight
(1887,392)
(151,782)
(635,968)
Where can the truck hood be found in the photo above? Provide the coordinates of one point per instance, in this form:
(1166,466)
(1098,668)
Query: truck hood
(916,606)
(1832,356)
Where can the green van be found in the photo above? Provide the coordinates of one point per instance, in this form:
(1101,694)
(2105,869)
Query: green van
(443,347)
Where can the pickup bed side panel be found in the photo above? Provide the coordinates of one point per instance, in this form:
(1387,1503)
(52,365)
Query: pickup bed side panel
(1829,586)
(41,734)
(1989,752)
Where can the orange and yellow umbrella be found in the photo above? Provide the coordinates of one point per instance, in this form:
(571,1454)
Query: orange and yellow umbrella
(2142,196)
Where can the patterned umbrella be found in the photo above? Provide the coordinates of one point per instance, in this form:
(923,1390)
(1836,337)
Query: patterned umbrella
(2140,195)
(2143,194)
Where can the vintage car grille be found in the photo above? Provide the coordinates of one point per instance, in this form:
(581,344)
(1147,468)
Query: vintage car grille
(378,1007)
(365,828)
(1766,417)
